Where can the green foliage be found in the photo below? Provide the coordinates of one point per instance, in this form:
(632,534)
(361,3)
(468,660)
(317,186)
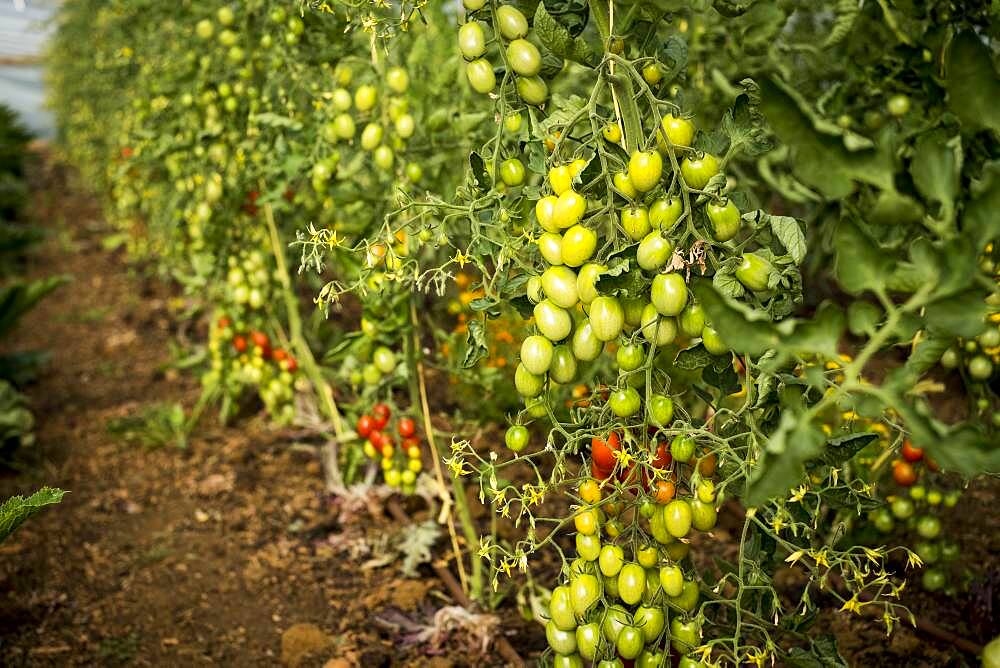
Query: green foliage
(157,426)
(17,509)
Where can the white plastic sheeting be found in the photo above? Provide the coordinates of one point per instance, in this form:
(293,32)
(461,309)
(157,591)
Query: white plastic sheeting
(23,30)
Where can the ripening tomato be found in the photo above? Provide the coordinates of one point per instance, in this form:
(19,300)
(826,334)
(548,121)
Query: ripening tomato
(603,451)
(588,547)
(910,453)
(623,183)
(664,493)
(712,341)
(660,410)
(903,473)
(524,58)
(239,343)
(550,245)
(725,219)
(512,172)
(528,384)
(652,74)
(532,90)
(754,272)
(669,293)
(692,320)
(585,345)
(481,76)
(684,635)
(578,245)
(610,560)
(612,132)
(584,593)
(586,280)
(703,515)
(699,170)
(544,212)
(590,491)
(645,169)
(607,318)
(472,40)
(569,209)
(586,521)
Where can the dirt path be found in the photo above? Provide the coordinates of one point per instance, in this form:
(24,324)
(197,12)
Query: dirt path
(176,557)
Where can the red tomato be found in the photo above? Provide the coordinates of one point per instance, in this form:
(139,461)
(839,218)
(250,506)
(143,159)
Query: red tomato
(603,452)
(381,411)
(254,194)
(240,343)
(291,365)
(376,438)
(224,322)
(407,427)
(903,473)
(260,339)
(289,195)
(365,426)
(932,465)
(597,472)
(662,458)
(910,453)
(411,441)
(279,355)
(127,152)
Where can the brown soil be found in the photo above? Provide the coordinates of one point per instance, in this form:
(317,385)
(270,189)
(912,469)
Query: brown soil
(229,551)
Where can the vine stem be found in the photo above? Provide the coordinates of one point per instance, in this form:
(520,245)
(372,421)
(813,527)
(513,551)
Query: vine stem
(475,585)
(304,354)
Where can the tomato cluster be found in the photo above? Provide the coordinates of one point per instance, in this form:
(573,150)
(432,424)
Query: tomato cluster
(521,57)
(243,357)
(401,465)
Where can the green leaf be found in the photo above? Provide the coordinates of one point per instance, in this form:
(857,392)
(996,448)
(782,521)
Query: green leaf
(782,465)
(558,39)
(821,653)
(847,14)
(476,344)
(973,86)
(733,8)
(726,283)
(743,123)
(966,449)
(741,328)
(936,168)
(839,450)
(863,317)
(695,357)
(479,173)
(788,232)
(276,121)
(980,222)
(822,158)
(17,509)
(963,314)
(21,296)
(860,264)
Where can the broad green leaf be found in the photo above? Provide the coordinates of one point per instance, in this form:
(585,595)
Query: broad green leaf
(895,208)
(788,232)
(973,85)
(476,343)
(860,264)
(741,328)
(821,653)
(782,465)
(839,450)
(963,314)
(936,169)
(21,296)
(863,317)
(17,509)
(980,221)
(820,334)
(695,357)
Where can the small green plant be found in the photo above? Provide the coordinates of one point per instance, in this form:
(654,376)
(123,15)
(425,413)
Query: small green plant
(17,509)
(157,426)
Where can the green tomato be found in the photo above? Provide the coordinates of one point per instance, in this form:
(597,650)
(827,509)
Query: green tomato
(533,90)
(545,211)
(654,251)
(536,354)
(472,40)
(344,126)
(553,322)
(578,245)
(725,219)
(669,294)
(610,587)
(616,663)
(660,410)
(517,437)
(567,661)
(384,359)
(584,593)
(561,609)
(588,547)
(623,182)
(677,518)
(648,555)
(371,136)
(524,58)
(754,272)
(481,76)
(533,289)
(658,528)
(585,344)
(633,308)
(614,620)
(635,222)
(682,448)
(560,285)
(657,329)
(512,123)
(528,384)
(898,105)
(980,368)
(950,358)
(607,318)
(703,515)
(928,526)
(902,508)
(611,560)
(645,169)
(383,157)
(512,172)
(930,553)
(588,638)
(684,635)
(397,79)
(698,171)
(561,642)
(550,245)
(650,621)
(692,320)
(586,280)
(513,25)
(535,407)
(989,339)
(473,5)
(625,403)
(651,659)
(630,642)
(933,579)
(678,131)
(950,551)
(713,342)
(630,356)
(563,369)
(672,580)
(665,212)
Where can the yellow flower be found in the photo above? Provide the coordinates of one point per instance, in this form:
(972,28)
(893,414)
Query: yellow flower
(795,556)
(852,604)
(460,258)
(820,557)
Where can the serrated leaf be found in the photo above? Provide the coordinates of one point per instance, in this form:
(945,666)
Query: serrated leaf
(743,123)
(980,222)
(860,264)
(17,509)
(782,465)
(558,39)
(476,348)
(695,357)
(936,169)
(839,450)
(788,232)
(727,284)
